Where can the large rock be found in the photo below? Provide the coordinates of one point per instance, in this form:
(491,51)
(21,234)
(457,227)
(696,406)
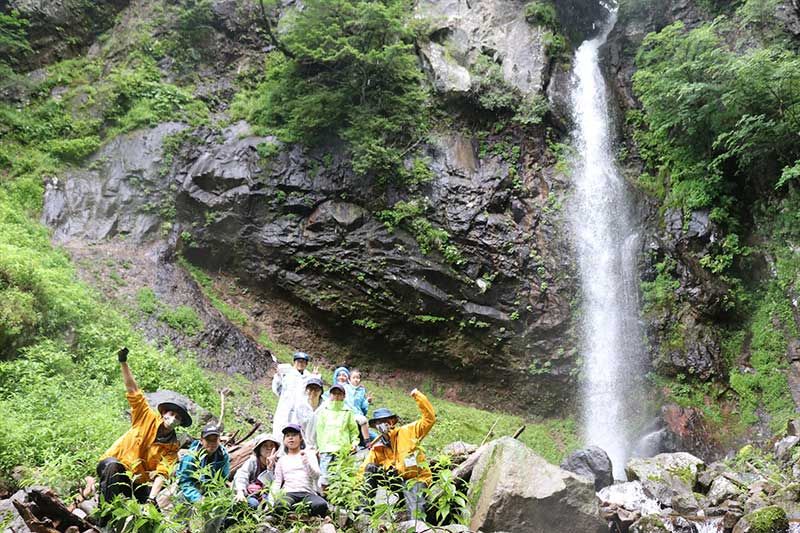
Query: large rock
(123,190)
(461,31)
(516,490)
(592,463)
(667,476)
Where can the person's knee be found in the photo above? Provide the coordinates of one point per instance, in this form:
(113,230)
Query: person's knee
(372,468)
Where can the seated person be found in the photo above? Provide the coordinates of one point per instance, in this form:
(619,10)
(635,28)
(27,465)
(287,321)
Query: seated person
(192,474)
(258,472)
(148,450)
(296,474)
(394,454)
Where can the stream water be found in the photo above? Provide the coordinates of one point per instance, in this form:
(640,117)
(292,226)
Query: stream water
(607,244)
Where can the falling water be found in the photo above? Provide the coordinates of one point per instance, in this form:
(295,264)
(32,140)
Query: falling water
(607,245)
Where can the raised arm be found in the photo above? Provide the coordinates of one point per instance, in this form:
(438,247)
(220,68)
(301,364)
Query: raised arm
(127,376)
(425,423)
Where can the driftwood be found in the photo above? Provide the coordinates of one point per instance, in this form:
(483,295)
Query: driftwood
(44,512)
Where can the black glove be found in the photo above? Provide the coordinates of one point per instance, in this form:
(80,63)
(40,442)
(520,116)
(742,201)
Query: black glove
(122,355)
(152,501)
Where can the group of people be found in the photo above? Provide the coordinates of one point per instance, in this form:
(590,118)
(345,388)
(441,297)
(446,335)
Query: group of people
(312,428)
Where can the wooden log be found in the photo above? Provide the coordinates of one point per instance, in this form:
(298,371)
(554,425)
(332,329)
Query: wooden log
(240,455)
(44,512)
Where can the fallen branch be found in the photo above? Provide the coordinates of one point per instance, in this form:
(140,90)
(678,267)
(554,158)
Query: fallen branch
(518,432)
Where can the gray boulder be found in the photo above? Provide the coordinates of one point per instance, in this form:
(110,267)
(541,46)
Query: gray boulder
(785,447)
(460,31)
(516,490)
(667,476)
(592,463)
(9,516)
(723,489)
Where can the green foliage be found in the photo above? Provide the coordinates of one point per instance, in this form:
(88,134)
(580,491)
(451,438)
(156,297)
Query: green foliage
(659,295)
(765,384)
(207,286)
(148,302)
(715,119)
(13,37)
(354,75)
(541,13)
(184,319)
(137,97)
(410,215)
(444,497)
(346,488)
(268,150)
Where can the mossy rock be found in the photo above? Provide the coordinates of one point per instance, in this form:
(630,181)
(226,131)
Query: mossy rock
(649,524)
(771,519)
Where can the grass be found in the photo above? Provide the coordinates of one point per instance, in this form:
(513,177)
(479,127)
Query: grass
(206,285)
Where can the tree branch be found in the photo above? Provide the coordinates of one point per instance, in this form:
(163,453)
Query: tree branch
(271,32)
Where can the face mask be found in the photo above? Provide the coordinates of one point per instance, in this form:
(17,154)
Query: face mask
(170,421)
(383,427)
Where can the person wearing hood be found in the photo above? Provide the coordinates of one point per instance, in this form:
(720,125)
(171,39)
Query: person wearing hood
(256,474)
(148,450)
(355,398)
(288,384)
(394,454)
(336,430)
(207,452)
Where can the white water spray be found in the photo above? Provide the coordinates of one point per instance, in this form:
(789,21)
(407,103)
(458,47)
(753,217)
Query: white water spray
(607,246)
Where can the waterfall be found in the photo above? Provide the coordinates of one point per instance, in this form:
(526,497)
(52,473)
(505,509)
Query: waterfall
(607,244)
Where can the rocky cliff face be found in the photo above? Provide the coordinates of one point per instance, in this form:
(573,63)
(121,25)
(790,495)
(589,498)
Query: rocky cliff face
(301,226)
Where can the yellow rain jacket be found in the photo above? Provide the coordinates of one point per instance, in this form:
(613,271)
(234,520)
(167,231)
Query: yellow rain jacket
(137,449)
(403,454)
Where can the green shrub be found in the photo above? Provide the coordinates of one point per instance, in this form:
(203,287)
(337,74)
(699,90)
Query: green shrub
(74,149)
(184,319)
(541,13)
(148,302)
(13,36)
(354,75)
(410,215)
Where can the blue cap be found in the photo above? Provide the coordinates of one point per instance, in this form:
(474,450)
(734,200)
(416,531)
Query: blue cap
(301,355)
(381,413)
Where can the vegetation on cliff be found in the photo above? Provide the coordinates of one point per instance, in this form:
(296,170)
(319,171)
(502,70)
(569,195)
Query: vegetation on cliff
(717,131)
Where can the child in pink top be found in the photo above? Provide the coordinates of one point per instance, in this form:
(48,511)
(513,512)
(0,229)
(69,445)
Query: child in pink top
(296,474)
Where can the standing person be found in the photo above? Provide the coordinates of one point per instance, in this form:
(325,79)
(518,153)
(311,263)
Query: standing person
(287,384)
(395,452)
(336,428)
(258,472)
(296,474)
(148,450)
(358,400)
(192,474)
(306,409)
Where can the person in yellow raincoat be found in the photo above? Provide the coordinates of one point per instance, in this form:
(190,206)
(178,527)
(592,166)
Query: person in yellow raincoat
(394,457)
(139,462)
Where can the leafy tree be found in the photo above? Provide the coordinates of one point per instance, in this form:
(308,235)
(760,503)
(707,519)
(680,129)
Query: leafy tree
(348,70)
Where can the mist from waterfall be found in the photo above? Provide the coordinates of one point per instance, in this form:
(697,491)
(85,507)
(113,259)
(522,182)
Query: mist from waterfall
(607,245)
